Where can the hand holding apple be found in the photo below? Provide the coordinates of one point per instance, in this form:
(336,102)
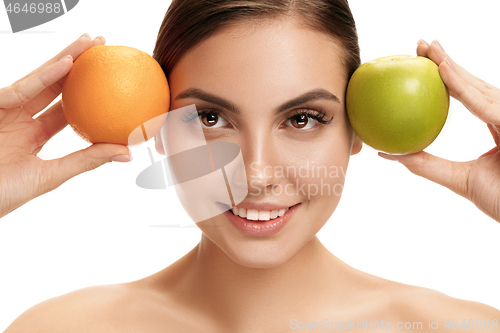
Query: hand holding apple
(477,180)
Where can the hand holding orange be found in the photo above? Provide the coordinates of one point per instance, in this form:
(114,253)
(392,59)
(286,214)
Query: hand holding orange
(112,90)
(24,175)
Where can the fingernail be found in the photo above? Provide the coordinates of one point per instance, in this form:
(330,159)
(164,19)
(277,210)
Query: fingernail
(85,34)
(387,157)
(449,63)
(421,41)
(67,57)
(121,158)
(102,38)
(438,44)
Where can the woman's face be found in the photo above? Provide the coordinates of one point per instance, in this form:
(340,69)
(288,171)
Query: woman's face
(295,154)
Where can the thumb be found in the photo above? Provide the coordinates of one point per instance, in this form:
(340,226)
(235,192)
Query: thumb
(453,175)
(86,159)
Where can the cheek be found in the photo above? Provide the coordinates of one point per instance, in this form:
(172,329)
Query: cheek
(318,167)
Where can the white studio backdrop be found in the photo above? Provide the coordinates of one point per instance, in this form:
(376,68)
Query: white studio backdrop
(100,228)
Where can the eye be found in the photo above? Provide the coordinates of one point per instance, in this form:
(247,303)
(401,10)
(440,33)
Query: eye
(212,119)
(301,121)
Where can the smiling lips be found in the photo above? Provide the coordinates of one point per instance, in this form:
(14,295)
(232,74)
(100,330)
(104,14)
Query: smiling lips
(258,215)
(259,222)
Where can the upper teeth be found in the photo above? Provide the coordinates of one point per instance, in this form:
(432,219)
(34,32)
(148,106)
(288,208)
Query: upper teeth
(261,215)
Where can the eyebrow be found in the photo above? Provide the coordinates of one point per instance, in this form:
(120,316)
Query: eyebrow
(312,95)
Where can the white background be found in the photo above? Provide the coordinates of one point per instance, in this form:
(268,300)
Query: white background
(96,228)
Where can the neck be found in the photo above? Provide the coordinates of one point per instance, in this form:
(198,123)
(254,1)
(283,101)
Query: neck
(210,281)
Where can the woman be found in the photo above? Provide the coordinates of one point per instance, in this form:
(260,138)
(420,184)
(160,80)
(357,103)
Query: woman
(218,57)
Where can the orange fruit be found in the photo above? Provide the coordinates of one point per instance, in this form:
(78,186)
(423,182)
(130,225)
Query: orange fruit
(112,91)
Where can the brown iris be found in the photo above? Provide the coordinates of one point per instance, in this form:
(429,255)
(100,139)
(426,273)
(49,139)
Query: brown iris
(299,121)
(210,119)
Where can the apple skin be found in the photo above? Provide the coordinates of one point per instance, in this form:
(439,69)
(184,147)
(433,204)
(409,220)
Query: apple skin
(397,104)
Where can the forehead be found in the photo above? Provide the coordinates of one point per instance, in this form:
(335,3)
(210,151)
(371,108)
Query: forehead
(262,57)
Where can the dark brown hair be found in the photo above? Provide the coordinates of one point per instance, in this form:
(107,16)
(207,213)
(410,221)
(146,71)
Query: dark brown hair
(189,22)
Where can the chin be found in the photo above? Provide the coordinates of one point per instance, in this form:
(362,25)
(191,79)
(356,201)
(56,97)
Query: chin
(261,253)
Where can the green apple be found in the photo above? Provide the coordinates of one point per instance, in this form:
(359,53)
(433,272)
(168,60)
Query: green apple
(397,104)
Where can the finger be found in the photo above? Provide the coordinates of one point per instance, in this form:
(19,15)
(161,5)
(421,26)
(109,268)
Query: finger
(67,167)
(20,93)
(422,48)
(46,97)
(492,151)
(99,40)
(494,133)
(437,54)
(484,107)
(52,121)
(75,49)
(452,175)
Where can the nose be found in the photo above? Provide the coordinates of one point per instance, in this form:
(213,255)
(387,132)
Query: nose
(259,153)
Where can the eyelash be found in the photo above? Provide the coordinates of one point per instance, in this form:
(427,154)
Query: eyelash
(319,116)
(190,116)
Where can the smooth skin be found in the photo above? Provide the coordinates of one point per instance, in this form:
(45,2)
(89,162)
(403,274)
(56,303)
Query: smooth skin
(236,283)
(23,175)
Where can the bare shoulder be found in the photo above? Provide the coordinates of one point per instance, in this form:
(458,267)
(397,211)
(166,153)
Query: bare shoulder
(446,313)
(89,309)
(135,306)
(404,306)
